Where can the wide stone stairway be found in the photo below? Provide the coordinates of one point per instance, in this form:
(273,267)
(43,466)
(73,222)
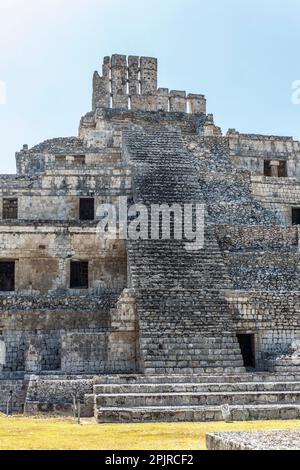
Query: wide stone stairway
(252,396)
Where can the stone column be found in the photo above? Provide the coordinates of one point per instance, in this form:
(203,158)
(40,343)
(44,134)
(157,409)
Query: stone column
(2,355)
(33,359)
(274,168)
(122,342)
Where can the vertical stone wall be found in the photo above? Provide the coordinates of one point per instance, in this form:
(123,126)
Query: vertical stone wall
(273,319)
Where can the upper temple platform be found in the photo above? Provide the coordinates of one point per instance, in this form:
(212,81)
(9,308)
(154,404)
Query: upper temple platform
(130,83)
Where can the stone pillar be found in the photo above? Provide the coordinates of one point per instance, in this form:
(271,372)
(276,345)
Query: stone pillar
(33,359)
(122,341)
(2,355)
(119,82)
(274,168)
(123,318)
(118,74)
(163,99)
(148,75)
(197,103)
(178,101)
(106,69)
(133,74)
(101,88)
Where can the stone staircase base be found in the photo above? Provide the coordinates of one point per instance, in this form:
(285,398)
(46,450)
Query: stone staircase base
(253,396)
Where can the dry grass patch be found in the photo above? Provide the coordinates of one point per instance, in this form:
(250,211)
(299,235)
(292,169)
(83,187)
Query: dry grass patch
(22,433)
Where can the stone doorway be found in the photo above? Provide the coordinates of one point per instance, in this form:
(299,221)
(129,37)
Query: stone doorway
(247,345)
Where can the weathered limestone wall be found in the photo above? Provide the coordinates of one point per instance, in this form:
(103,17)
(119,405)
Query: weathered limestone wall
(105,125)
(43,254)
(55,196)
(18,387)
(249,151)
(71,334)
(33,337)
(278,194)
(273,317)
(55,393)
(115,350)
(56,155)
(248,237)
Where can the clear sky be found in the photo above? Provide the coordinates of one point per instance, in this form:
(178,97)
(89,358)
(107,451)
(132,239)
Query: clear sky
(242,54)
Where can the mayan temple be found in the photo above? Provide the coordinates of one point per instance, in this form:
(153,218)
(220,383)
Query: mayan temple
(146,329)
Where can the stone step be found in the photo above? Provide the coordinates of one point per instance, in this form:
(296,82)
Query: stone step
(153,369)
(196,387)
(216,376)
(195,413)
(194,399)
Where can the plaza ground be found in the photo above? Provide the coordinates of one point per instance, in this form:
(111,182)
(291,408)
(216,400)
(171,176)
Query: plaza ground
(39,433)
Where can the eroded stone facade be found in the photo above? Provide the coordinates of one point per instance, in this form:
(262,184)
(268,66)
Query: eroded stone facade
(148,307)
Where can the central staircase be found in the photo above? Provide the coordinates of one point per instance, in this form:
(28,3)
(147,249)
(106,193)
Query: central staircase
(185,326)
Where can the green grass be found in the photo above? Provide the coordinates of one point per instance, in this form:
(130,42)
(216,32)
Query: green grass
(22,433)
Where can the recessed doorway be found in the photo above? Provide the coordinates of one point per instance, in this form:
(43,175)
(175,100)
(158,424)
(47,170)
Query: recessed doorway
(247,345)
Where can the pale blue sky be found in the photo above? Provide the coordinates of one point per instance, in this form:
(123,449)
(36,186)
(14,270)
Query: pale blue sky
(243,55)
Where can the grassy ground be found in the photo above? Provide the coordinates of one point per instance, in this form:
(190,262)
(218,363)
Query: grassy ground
(18,433)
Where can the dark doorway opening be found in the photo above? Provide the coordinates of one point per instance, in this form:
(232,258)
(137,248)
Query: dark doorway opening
(79,276)
(296,216)
(7,276)
(246,342)
(267,168)
(87,208)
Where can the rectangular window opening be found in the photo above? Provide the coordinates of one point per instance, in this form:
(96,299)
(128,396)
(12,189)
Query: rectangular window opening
(267,168)
(79,159)
(79,275)
(282,169)
(275,168)
(87,208)
(10,208)
(296,215)
(7,276)
(60,159)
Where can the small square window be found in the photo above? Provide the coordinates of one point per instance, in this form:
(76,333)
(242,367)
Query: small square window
(60,159)
(79,159)
(10,208)
(79,275)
